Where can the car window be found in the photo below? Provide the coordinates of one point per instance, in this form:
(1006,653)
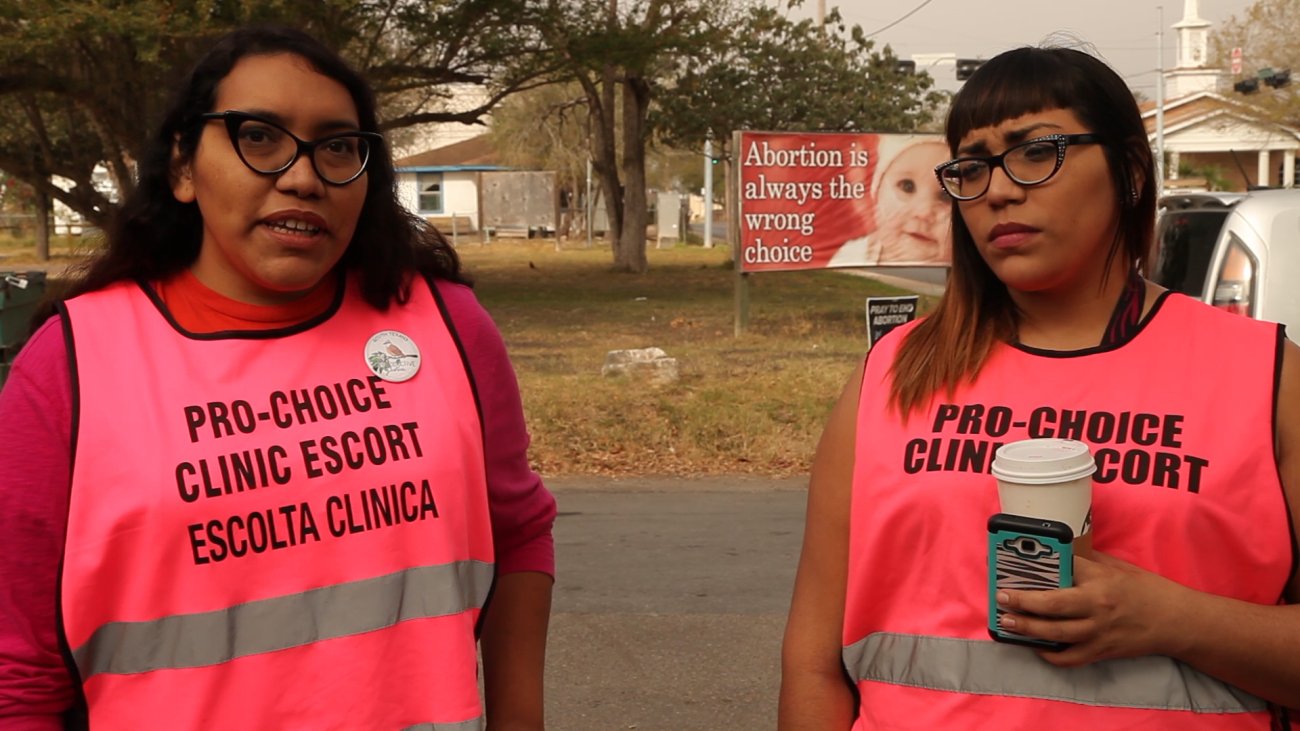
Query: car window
(1185,243)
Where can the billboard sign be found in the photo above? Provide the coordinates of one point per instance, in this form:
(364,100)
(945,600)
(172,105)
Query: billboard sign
(815,200)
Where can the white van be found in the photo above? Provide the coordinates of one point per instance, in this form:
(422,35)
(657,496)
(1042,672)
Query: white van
(1240,255)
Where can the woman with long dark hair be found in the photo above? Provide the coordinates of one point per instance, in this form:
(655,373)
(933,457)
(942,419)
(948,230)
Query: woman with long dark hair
(1181,617)
(266,467)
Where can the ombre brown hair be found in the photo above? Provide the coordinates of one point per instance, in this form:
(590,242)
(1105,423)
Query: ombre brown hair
(951,345)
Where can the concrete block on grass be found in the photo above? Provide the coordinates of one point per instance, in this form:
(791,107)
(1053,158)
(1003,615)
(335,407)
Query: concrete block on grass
(651,364)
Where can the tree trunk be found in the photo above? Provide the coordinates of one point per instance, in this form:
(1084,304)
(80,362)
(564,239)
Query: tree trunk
(43,225)
(629,255)
(605,163)
(590,227)
(114,159)
(604,159)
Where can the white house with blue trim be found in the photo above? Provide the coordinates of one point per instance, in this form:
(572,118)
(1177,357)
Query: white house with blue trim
(444,185)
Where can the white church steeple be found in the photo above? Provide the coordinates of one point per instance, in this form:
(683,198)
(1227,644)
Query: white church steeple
(1190,74)
(1193,37)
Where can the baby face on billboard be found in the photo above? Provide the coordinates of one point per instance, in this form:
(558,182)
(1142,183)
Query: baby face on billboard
(912,211)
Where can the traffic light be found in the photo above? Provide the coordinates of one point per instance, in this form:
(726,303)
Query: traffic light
(1276,78)
(905,67)
(966,67)
(1246,86)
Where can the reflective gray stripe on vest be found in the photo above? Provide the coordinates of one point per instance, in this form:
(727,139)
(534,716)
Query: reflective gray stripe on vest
(474,724)
(267,625)
(984,667)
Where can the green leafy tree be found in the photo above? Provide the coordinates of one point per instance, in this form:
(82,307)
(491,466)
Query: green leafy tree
(81,81)
(781,74)
(654,71)
(619,54)
(1265,33)
(416,52)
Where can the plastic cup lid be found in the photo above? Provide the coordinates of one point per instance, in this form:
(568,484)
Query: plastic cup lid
(1043,461)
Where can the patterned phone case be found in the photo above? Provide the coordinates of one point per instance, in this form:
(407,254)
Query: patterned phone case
(1027,554)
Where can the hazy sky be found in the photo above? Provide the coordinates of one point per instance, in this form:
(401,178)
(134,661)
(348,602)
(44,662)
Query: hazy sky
(1124,32)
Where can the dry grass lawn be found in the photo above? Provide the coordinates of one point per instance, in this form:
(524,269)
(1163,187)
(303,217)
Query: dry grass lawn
(18,253)
(753,404)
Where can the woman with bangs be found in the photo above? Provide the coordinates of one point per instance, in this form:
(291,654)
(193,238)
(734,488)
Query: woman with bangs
(1183,616)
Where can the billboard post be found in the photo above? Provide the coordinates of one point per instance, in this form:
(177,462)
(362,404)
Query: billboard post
(708,192)
(741,312)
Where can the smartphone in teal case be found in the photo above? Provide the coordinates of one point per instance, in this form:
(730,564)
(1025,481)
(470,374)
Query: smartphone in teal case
(1027,554)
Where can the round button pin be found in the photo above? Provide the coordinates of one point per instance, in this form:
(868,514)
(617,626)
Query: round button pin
(392,356)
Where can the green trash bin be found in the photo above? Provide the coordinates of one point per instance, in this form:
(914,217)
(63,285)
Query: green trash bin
(20,292)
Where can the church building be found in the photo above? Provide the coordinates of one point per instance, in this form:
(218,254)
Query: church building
(1208,127)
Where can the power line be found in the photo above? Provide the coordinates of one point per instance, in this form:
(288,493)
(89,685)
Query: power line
(910,13)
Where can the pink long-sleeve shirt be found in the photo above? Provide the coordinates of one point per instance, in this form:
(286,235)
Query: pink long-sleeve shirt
(35,473)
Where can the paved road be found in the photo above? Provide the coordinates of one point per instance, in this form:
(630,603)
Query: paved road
(922,280)
(670,603)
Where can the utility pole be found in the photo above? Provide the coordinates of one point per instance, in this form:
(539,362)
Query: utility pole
(1160,105)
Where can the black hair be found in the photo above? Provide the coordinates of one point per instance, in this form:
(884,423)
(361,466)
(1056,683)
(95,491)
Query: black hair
(1028,80)
(976,311)
(154,236)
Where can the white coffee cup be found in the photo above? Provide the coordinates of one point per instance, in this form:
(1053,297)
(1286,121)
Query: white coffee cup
(1048,478)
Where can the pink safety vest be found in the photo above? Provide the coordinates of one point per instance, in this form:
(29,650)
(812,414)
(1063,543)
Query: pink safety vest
(1180,419)
(265,535)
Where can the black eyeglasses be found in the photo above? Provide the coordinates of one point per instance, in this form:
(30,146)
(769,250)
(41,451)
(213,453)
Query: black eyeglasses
(269,149)
(1028,163)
